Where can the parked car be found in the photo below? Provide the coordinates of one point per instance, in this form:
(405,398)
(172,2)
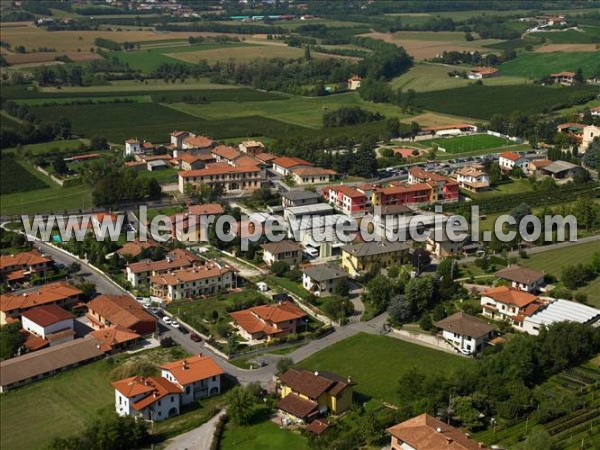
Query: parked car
(194,337)
(166,320)
(183,330)
(174,324)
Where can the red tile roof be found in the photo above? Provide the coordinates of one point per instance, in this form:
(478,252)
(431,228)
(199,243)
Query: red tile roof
(484,70)
(265,157)
(193,369)
(287,162)
(510,155)
(348,191)
(48,293)
(198,141)
(22,259)
(512,296)
(424,432)
(313,171)
(190,274)
(226,152)
(110,337)
(297,406)
(120,310)
(313,384)
(47,315)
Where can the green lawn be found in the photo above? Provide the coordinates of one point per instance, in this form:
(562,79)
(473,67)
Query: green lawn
(376,362)
(509,187)
(262,436)
(16,178)
(163,176)
(589,35)
(536,65)
(59,406)
(468,144)
(54,198)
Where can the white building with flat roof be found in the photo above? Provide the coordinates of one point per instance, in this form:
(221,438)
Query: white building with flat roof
(560,311)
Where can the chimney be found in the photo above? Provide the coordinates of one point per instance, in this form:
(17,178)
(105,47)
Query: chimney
(316,373)
(349,379)
(438,429)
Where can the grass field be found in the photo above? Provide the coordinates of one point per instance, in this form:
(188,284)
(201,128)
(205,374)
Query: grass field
(588,35)
(303,111)
(434,77)
(154,122)
(54,198)
(483,102)
(467,144)
(375,362)
(133,86)
(61,405)
(536,65)
(506,188)
(96,99)
(262,436)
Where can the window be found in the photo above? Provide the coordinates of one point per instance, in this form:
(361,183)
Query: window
(159,403)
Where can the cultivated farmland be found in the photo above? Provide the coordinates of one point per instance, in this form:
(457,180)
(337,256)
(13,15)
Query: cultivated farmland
(536,65)
(483,102)
(14,177)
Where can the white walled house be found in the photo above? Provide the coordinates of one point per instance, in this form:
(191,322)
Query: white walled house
(590,133)
(472,178)
(467,334)
(286,251)
(133,147)
(321,280)
(509,304)
(198,376)
(152,398)
(509,160)
(49,322)
(522,278)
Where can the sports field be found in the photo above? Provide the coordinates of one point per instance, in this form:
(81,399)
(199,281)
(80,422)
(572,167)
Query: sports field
(466,144)
(536,65)
(434,77)
(375,362)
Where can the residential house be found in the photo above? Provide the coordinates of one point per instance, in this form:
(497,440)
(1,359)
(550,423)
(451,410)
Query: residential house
(244,160)
(24,369)
(402,194)
(425,432)
(566,78)
(354,82)
(198,376)
(115,338)
(439,244)
(348,199)
(286,251)
(228,177)
(200,215)
(357,258)
(305,395)
(224,153)
(191,161)
(455,129)
(442,188)
(108,310)
(472,178)
(285,164)
(465,333)
(197,142)
(509,160)
(151,398)
(135,248)
(19,267)
(49,322)
(523,278)
(560,311)
(136,165)
(12,306)
(590,133)
(177,138)
(133,147)
(252,147)
(296,213)
(479,73)
(298,197)
(139,273)
(595,112)
(209,278)
(321,280)
(266,158)
(313,175)
(269,321)
(509,304)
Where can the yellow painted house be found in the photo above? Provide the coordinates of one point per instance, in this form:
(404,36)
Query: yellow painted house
(357,258)
(306,395)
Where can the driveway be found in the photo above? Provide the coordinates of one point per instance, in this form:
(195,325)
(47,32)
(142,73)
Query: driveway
(198,439)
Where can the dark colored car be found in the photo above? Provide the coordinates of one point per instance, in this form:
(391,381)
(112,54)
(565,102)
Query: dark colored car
(183,330)
(194,337)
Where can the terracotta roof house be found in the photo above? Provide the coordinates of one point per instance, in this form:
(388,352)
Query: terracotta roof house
(108,310)
(538,164)
(313,175)
(354,82)
(115,338)
(266,158)
(49,322)
(139,273)
(246,161)
(509,304)
(465,333)
(135,248)
(287,251)
(305,395)
(523,278)
(58,293)
(252,147)
(285,164)
(229,177)
(206,209)
(199,142)
(566,78)
(425,432)
(193,161)
(198,376)
(268,321)
(151,398)
(20,266)
(510,160)
(224,153)
(478,73)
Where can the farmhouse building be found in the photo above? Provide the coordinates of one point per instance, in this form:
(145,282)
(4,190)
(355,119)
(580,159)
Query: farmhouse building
(50,323)
(192,141)
(224,153)
(252,147)
(479,73)
(523,278)
(354,82)
(198,376)
(566,78)
(590,133)
(133,147)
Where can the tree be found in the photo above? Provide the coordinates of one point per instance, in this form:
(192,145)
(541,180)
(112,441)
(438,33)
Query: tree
(10,340)
(284,364)
(400,310)
(578,78)
(98,143)
(307,55)
(240,405)
(537,439)
(279,268)
(59,165)
(426,323)
(379,292)
(465,410)
(419,292)
(420,258)
(342,288)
